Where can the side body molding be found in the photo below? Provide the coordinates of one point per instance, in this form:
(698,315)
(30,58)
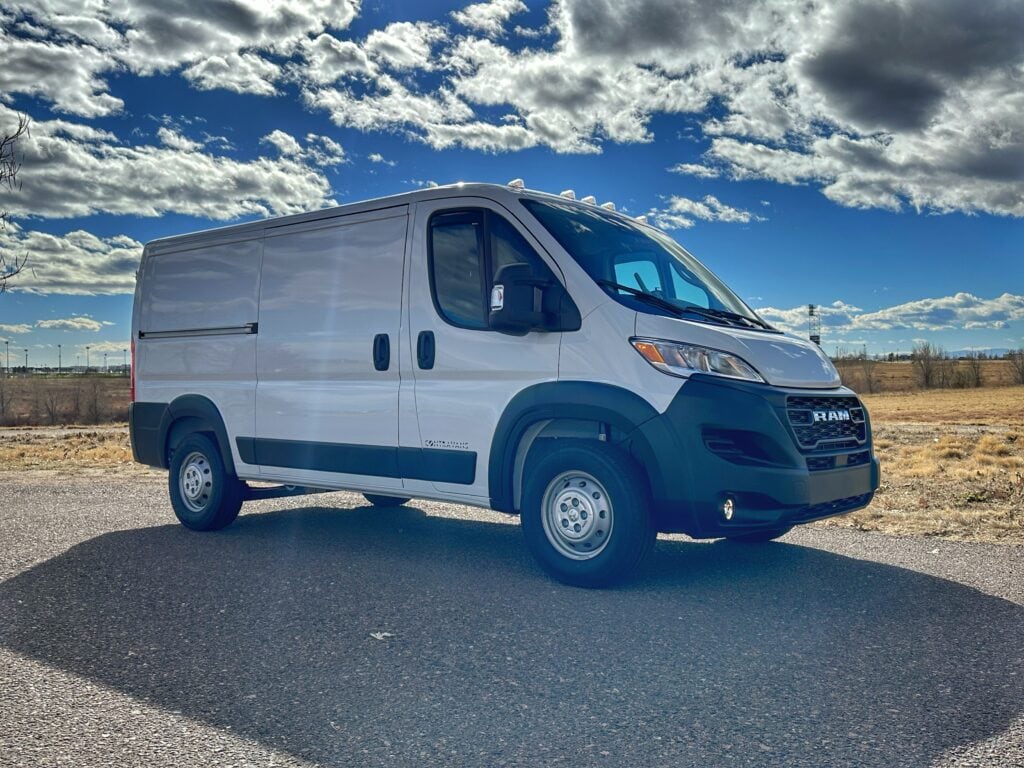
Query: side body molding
(619,408)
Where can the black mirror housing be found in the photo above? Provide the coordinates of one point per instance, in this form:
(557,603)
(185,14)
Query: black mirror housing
(523,301)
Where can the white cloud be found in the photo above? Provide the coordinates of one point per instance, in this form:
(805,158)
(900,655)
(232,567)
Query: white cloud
(695,169)
(681,213)
(960,311)
(404,45)
(15,328)
(77,323)
(377,157)
(171,138)
(76,263)
(109,347)
(239,72)
(225,45)
(72,177)
(489,18)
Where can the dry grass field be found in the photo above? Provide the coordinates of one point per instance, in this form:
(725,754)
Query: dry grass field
(952,462)
(952,465)
(899,376)
(43,400)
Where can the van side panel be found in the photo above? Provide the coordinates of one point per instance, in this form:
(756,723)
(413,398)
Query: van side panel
(324,412)
(195,330)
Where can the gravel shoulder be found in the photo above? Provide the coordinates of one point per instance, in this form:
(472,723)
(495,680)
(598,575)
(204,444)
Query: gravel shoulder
(128,640)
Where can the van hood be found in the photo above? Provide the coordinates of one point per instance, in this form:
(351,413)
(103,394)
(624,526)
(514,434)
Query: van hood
(783,360)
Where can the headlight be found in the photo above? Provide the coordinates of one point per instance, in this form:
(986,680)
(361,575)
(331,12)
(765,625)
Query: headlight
(683,359)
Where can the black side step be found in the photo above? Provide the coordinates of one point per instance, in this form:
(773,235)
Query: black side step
(277,491)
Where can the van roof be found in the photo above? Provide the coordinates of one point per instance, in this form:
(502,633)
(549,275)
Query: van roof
(232,231)
(497,192)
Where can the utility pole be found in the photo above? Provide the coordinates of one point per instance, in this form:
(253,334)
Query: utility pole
(58,360)
(7,348)
(26,362)
(87,359)
(124,361)
(105,368)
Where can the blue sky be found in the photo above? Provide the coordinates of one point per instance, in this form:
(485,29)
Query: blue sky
(864,156)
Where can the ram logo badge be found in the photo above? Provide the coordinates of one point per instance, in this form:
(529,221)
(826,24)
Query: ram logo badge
(840,415)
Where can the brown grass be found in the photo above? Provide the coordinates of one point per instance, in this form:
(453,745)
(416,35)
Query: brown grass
(952,465)
(65,449)
(993,406)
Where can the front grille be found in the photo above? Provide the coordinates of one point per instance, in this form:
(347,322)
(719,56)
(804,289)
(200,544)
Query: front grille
(826,433)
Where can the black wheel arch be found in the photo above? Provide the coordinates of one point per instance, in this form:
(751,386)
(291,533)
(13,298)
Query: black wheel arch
(620,409)
(194,413)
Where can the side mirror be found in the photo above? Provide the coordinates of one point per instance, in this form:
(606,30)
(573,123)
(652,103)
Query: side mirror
(517,300)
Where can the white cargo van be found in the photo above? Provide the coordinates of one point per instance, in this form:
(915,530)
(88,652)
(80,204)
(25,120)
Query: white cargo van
(493,346)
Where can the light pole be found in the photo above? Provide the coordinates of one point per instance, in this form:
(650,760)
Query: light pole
(87,359)
(26,362)
(7,348)
(124,361)
(105,368)
(58,360)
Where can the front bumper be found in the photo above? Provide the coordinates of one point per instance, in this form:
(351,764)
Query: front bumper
(721,439)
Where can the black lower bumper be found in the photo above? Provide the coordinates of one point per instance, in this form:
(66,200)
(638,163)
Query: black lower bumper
(724,440)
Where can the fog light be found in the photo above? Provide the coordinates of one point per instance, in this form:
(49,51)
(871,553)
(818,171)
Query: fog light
(727,509)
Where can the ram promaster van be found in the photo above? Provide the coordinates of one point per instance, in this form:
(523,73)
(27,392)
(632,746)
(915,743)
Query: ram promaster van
(493,346)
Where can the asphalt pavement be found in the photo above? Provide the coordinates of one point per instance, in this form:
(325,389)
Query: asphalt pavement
(319,631)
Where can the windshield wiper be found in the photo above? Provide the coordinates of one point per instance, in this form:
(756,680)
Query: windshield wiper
(737,316)
(650,298)
(720,315)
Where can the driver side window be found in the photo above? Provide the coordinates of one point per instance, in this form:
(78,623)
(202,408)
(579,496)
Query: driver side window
(467,249)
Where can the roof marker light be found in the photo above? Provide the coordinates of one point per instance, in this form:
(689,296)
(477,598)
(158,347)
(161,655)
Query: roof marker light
(517,184)
(589,200)
(568,194)
(641,218)
(609,206)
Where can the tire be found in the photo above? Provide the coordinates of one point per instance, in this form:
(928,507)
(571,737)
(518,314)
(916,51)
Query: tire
(379,500)
(204,496)
(586,513)
(760,537)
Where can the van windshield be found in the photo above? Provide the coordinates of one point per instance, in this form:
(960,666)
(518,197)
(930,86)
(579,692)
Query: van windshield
(641,267)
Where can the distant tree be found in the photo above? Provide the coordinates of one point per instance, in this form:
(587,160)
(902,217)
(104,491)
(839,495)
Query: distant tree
(1016,359)
(9,167)
(867,365)
(931,366)
(969,370)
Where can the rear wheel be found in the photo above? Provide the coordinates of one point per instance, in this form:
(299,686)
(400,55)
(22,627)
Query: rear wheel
(204,496)
(760,537)
(385,501)
(586,513)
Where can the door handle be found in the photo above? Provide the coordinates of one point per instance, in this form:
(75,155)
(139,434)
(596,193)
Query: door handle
(381,352)
(425,350)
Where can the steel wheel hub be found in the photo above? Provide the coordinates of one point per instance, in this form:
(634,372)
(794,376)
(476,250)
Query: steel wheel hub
(195,481)
(577,515)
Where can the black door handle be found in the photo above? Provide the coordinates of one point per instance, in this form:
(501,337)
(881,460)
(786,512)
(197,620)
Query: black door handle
(425,350)
(381,352)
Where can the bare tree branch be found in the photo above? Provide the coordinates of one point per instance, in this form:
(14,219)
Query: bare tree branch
(10,164)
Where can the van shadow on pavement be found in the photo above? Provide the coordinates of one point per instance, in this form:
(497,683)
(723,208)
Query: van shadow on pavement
(719,655)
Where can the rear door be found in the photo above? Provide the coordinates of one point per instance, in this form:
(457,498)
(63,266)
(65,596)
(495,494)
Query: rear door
(464,374)
(328,368)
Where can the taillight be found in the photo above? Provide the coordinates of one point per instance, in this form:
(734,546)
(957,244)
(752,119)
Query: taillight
(132,385)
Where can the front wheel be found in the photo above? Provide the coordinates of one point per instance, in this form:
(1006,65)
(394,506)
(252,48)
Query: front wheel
(586,513)
(760,537)
(204,496)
